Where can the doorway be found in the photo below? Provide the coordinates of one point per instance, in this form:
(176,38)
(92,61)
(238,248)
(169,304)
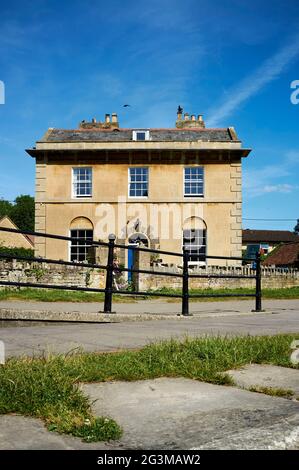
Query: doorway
(135,240)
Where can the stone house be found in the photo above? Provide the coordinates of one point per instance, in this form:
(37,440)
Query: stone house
(254,241)
(164,188)
(285,255)
(14,240)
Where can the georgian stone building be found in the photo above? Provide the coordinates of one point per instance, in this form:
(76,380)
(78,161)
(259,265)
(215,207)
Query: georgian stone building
(164,187)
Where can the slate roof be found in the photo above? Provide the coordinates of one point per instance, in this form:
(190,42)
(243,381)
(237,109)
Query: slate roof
(125,135)
(268,236)
(284,255)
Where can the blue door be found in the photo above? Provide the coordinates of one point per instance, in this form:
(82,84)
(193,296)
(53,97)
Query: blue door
(131,256)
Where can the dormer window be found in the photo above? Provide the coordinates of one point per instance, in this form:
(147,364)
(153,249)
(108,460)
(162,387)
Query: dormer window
(140,135)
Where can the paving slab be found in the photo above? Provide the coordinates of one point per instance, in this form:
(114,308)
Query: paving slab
(186,414)
(171,414)
(264,375)
(24,433)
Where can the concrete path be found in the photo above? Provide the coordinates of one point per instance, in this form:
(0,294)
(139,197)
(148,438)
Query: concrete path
(23,433)
(63,337)
(164,413)
(187,414)
(172,414)
(124,312)
(154,307)
(264,375)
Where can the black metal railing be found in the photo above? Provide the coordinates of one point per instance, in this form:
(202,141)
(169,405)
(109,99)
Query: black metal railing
(185,294)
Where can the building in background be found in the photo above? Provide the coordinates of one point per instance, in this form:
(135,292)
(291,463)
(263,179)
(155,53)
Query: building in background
(264,241)
(14,240)
(143,184)
(284,256)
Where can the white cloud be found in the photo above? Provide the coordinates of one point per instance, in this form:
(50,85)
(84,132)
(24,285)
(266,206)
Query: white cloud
(268,179)
(280,188)
(266,73)
(259,190)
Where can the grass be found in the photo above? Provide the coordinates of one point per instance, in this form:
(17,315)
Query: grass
(40,388)
(55,295)
(280,293)
(272,391)
(48,387)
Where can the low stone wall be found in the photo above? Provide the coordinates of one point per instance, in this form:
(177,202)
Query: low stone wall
(271,278)
(44,273)
(53,274)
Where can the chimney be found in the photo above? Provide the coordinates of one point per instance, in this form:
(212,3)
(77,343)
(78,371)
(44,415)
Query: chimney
(201,121)
(111,122)
(189,122)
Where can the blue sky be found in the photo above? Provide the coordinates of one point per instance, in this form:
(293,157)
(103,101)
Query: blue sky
(233,61)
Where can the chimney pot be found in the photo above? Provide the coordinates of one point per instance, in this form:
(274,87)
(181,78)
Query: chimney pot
(199,118)
(107,118)
(93,120)
(193,117)
(114,117)
(186,116)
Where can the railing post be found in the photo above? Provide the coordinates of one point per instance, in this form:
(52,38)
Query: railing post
(258,284)
(109,276)
(185,290)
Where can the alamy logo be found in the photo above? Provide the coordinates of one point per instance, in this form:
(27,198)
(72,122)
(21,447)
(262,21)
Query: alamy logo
(2,352)
(295,95)
(2,92)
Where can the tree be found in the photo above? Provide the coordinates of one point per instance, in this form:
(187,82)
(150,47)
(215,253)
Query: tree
(22,212)
(296,228)
(5,208)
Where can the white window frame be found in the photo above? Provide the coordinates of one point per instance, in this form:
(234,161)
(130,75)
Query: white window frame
(129,182)
(203,182)
(79,196)
(144,131)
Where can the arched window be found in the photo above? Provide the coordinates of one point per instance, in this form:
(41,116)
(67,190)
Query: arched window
(81,232)
(138,238)
(195,239)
